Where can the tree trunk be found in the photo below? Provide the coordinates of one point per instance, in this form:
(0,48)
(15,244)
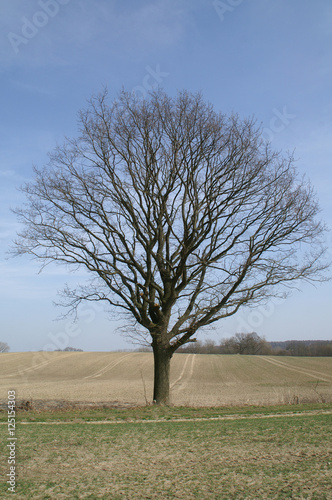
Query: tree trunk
(162,362)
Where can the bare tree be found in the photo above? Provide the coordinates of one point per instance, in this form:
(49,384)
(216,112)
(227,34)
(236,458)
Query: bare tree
(246,343)
(182,215)
(4,347)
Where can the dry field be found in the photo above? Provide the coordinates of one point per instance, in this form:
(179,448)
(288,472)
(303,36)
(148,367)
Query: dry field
(196,379)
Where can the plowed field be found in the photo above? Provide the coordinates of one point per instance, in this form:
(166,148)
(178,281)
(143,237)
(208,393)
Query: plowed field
(196,379)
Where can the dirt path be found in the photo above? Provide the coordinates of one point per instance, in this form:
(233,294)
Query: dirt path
(179,380)
(257,416)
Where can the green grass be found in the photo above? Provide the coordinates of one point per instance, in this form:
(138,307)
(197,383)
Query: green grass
(153,452)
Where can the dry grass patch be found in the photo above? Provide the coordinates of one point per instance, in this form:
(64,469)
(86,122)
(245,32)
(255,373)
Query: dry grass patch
(250,458)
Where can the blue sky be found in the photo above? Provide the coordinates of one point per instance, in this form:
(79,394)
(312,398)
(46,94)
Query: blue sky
(267,58)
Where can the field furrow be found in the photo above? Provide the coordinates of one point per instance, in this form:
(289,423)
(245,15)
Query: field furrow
(311,373)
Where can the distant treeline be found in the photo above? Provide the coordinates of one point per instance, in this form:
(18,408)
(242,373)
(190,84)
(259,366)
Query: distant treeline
(70,349)
(302,348)
(251,343)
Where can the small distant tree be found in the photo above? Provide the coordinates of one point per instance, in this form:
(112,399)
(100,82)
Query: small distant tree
(246,343)
(4,347)
(181,215)
(209,347)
